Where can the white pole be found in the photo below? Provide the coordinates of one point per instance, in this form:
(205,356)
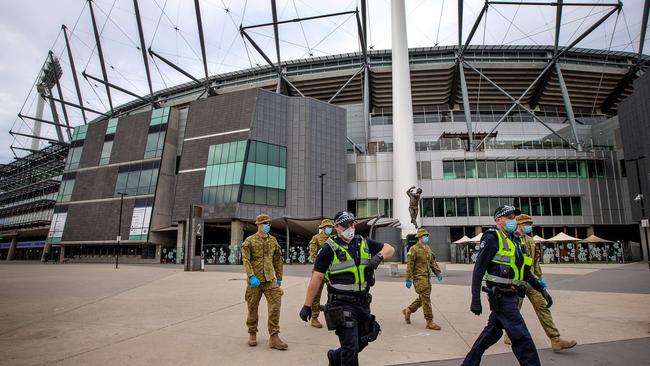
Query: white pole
(40,106)
(404,164)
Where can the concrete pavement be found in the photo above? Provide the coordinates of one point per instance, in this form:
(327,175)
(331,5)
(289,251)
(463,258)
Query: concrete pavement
(80,314)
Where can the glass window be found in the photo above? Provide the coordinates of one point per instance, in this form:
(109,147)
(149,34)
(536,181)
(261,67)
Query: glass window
(450,207)
(448,170)
(582,169)
(106,153)
(524,203)
(132,183)
(494,203)
(274,177)
(491,169)
(424,169)
(501,169)
(532,168)
(461,207)
(484,206)
(470,169)
(248,194)
(459,169)
(112,126)
(556,207)
(546,206)
(439,207)
(572,169)
(472,206)
(521,169)
(283,157)
(261,153)
(566,206)
(74,156)
(65,190)
(79,132)
(541,169)
(144,185)
(274,155)
(511,169)
(561,169)
(261,175)
(362,208)
(120,186)
(576,207)
(427,207)
(536,206)
(552,168)
(481,168)
(155,142)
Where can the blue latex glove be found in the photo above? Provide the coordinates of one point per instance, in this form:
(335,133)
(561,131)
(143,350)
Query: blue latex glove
(439,277)
(541,281)
(408,284)
(254,281)
(279,283)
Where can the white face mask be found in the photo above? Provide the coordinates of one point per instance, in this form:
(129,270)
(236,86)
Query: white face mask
(348,233)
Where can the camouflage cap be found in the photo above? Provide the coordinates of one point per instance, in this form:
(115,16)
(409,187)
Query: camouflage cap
(421,232)
(325,222)
(262,219)
(524,219)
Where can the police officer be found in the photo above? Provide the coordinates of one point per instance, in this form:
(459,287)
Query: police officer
(421,262)
(262,259)
(315,244)
(505,267)
(524,229)
(347,263)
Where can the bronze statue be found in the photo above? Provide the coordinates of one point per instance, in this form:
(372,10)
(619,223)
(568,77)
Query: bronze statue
(414,197)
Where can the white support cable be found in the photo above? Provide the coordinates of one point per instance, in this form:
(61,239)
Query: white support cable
(442,7)
(602,73)
(514,25)
(101,31)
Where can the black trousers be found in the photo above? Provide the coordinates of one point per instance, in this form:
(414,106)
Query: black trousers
(509,318)
(359,323)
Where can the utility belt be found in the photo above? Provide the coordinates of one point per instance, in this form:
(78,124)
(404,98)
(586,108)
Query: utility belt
(496,291)
(338,318)
(362,298)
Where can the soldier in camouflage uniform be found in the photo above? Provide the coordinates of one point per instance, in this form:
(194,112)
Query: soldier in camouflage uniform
(262,259)
(421,262)
(317,241)
(524,228)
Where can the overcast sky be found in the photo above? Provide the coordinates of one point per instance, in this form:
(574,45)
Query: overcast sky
(31,28)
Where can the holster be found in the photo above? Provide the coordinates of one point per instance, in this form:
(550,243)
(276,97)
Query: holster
(373,332)
(335,316)
(494,295)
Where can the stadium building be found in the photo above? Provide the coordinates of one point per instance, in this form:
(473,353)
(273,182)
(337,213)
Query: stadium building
(302,147)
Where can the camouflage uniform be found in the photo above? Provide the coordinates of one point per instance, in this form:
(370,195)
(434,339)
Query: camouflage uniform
(421,262)
(536,298)
(262,257)
(315,244)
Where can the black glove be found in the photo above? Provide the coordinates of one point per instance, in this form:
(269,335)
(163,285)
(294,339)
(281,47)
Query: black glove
(548,298)
(375,261)
(476,307)
(305,313)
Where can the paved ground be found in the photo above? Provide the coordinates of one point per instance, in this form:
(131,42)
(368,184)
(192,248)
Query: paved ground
(88,314)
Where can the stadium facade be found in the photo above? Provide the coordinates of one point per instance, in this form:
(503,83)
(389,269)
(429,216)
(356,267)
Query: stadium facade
(248,150)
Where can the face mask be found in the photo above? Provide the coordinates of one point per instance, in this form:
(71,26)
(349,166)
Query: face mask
(266,228)
(511,225)
(328,231)
(528,229)
(348,233)
(425,239)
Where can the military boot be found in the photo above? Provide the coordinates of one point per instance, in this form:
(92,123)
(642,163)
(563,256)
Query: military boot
(315,323)
(432,325)
(252,339)
(276,342)
(559,344)
(506,340)
(407,315)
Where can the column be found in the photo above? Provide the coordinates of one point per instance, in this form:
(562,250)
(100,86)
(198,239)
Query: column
(236,240)
(12,248)
(180,234)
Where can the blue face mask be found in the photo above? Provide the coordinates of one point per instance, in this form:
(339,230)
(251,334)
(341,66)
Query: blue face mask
(266,228)
(425,239)
(328,230)
(511,226)
(528,229)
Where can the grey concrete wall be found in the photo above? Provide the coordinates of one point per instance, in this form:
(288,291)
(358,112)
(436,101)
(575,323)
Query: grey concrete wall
(391,236)
(439,242)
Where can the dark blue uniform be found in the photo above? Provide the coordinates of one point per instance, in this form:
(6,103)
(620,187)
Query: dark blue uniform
(357,306)
(508,317)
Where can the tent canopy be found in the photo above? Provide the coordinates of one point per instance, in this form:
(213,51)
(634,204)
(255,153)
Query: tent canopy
(539,239)
(563,238)
(593,239)
(476,239)
(462,240)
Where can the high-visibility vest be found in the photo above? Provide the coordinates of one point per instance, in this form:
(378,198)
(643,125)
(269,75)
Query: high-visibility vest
(506,255)
(338,267)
